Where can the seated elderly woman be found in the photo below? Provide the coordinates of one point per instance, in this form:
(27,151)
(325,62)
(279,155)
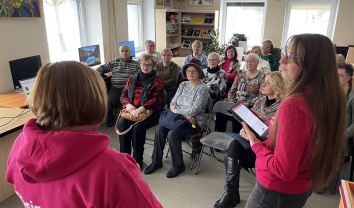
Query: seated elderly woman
(150,49)
(245,88)
(190,101)
(143,91)
(60,160)
(169,73)
(267,49)
(273,90)
(215,78)
(197,47)
(263,65)
(230,65)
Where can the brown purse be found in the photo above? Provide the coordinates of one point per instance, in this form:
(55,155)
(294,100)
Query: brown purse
(125,114)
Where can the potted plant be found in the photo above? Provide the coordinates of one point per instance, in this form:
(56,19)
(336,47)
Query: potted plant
(214,45)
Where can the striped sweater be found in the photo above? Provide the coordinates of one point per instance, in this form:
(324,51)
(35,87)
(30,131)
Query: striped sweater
(121,71)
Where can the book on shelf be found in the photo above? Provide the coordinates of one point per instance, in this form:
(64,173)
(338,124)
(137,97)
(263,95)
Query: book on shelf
(196,33)
(189,31)
(183,32)
(197,20)
(186,18)
(174,17)
(209,18)
(204,33)
(186,44)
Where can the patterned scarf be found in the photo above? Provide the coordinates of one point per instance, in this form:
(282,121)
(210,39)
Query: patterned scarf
(146,79)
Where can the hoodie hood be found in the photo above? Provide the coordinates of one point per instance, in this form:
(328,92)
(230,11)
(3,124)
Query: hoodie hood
(45,156)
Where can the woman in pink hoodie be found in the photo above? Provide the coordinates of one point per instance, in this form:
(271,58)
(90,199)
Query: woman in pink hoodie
(59,160)
(306,135)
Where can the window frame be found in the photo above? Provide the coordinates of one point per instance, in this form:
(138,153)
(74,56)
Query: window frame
(223,17)
(331,22)
(140,26)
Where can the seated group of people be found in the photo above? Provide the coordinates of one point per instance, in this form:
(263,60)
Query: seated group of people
(60,146)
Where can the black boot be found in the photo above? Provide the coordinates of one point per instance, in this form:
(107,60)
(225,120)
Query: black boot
(231,196)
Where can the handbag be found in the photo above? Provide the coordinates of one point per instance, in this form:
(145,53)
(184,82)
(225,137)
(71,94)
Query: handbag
(125,114)
(174,121)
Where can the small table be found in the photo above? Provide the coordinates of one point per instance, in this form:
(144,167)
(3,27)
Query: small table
(13,100)
(8,135)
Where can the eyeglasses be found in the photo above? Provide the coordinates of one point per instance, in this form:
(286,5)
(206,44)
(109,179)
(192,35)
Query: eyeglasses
(265,83)
(212,59)
(289,56)
(167,55)
(191,71)
(147,65)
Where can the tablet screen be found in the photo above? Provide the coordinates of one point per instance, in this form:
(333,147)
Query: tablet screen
(252,120)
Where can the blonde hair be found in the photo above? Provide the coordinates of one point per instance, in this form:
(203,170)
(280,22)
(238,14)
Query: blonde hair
(257,47)
(278,84)
(150,42)
(67,94)
(146,57)
(269,42)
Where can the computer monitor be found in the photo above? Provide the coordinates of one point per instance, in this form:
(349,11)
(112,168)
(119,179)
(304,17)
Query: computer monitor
(90,55)
(130,44)
(24,68)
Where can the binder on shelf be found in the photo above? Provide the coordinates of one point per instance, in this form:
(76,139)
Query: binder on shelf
(209,18)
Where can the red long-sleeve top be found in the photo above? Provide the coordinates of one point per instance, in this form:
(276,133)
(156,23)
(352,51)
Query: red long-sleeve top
(155,95)
(287,168)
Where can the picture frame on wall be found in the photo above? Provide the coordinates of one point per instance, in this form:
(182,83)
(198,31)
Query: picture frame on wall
(200,3)
(22,9)
(167,2)
(159,2)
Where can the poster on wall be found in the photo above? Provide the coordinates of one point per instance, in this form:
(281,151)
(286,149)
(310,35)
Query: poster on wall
(24,8)
(159,2)
(200,2)
(167,3)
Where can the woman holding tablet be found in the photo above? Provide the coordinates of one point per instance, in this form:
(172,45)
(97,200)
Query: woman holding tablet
(306,136)
(238,156)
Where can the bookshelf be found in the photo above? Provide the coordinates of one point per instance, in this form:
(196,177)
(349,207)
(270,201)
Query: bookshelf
(170,23)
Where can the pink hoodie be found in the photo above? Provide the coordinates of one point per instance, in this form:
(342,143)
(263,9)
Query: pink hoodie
(74,169)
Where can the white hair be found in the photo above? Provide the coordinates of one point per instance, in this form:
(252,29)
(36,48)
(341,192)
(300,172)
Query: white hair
(252,55)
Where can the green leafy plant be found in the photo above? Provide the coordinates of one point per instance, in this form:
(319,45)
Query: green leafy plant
(214,45)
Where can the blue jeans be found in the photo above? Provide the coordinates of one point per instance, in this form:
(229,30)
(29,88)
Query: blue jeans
(265,198)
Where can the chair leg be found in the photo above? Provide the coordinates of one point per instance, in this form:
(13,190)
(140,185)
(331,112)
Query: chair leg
(168,151)
(336,180)
(351,169)
(199,159)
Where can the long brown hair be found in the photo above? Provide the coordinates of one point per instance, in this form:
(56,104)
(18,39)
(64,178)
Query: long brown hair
(233,48)
(315,56)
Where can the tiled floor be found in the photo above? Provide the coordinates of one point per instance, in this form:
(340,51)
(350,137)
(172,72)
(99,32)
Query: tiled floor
(197,191)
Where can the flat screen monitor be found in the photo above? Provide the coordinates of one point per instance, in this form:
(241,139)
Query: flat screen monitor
(90,55)
(130,44)
(24,68)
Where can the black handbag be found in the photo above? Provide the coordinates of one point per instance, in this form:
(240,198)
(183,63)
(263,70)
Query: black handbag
(174,121)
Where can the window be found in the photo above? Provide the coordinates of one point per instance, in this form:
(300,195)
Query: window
(135,24)
(309,17)
(244,18)
(64,27)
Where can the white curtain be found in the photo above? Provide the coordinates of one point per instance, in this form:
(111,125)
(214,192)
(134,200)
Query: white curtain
(112,25)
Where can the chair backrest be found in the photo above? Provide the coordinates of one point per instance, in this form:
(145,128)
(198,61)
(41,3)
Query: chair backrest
(164,99)
(208,116)
(180,78)
(221,107)
(277,53)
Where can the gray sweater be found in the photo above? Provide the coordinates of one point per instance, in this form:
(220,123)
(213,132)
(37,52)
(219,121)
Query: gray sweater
(350,114)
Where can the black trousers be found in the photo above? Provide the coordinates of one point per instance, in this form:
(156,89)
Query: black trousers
(246,156)
(113,99)
(174,141)
(136,136)
(221,123)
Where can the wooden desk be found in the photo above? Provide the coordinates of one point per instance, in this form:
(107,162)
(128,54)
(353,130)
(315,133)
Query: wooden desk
(13,100)
(8,134)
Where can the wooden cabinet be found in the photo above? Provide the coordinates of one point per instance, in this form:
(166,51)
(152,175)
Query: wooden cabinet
(171,23)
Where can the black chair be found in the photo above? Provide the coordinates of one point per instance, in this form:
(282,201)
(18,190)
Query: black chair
(349,153)
(277,53)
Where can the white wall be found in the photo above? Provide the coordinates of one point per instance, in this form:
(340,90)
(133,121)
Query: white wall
(93,22)
(20,38)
